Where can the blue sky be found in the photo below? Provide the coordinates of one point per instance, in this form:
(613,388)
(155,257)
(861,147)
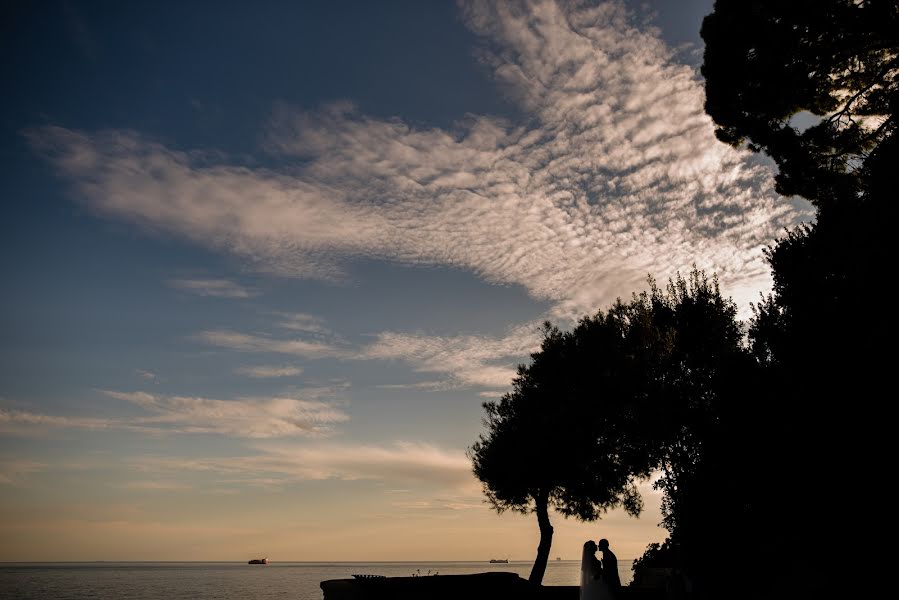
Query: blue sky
(278,255)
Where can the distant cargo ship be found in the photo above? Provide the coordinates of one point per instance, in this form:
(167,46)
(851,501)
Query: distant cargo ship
(258,561)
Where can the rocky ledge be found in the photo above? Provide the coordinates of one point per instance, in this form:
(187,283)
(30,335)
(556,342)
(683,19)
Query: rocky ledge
(481,586)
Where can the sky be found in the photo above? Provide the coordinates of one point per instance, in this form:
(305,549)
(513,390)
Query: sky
(263,264)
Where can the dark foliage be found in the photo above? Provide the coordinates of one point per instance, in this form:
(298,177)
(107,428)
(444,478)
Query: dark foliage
(801,429)
(767,60)
(624,392)
(561,438)
(703,386)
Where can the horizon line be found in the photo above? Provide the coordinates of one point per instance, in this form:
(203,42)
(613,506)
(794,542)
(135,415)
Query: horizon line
(237,561)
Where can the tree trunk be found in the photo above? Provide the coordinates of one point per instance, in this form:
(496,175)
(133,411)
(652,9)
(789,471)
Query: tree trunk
(541,503)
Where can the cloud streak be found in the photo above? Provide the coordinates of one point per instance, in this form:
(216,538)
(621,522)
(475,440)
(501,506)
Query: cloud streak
(234,340)
(400,462)
(12,471)
(218,288)
(13,421)
(267,371)
(470,360)
(305,323)
(617,174)
(244,418)
(467,360)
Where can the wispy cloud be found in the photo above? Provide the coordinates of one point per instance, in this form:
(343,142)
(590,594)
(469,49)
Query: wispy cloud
(245,417)
(220,288)
(441,504)
(245,342)
(267,371)
(305,323)
(616,174)
(441,385)
(249,417)
(466,360)
(155,486)
(12,471)
(148,375)
(470,360)
(401,462)
(13,421)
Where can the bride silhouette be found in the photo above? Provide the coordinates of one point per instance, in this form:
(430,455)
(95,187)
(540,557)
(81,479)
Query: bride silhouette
(593,585)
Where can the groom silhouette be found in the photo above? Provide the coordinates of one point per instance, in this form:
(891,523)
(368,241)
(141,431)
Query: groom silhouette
(609,565)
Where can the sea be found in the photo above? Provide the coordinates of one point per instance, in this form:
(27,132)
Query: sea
(235,581)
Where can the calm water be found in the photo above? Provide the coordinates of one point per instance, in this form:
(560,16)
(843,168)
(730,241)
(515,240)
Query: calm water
(231,581)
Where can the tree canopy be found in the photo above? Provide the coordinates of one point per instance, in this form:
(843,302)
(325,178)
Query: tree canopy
(625,392)
(767,61)
(559,438)
(794,453)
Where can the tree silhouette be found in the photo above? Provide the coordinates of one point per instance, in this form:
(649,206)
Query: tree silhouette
(562,437)
(706,386)
(697,380)
(767,60)
(813,339)
(635,388)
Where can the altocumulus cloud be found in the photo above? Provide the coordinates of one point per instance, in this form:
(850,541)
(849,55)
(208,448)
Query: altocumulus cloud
(615,174)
